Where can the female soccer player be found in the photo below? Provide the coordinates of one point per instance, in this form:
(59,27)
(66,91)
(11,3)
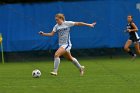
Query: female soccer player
(133,37)
(63,29)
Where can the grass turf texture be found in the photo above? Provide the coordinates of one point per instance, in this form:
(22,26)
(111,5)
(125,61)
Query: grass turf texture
(104,75)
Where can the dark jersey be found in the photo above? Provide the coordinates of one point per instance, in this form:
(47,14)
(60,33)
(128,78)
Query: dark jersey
(133,35)
(129,26)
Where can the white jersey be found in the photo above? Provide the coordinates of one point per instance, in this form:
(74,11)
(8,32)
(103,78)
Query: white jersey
(64,32)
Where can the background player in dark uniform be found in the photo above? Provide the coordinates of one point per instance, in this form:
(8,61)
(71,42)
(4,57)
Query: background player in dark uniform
(133,37)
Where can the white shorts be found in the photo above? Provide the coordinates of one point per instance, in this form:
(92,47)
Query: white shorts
(66,47)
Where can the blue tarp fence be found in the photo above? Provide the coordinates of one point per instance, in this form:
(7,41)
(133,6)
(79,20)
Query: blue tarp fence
(20,23)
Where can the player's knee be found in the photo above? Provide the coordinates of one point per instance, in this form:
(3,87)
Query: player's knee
(56,55)
(126,48)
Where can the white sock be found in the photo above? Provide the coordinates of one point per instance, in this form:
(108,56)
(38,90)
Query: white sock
(56,64)
(76,63)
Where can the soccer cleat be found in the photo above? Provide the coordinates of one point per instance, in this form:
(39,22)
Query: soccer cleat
(82,70)
(53,73)
(134,57)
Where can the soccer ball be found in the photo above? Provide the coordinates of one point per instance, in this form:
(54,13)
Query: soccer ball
(36,73)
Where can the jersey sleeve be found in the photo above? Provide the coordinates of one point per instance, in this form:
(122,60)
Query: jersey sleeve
(54,28)
(70,23)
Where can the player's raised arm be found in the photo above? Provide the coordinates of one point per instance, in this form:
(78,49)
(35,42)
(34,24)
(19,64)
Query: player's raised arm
(47,34)
(85,24)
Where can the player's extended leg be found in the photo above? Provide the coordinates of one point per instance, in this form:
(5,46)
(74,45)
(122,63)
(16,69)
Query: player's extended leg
(57,55)
(127,49)
(137,47)
(68,56)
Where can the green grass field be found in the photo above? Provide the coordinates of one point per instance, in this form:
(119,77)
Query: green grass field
(103,75)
